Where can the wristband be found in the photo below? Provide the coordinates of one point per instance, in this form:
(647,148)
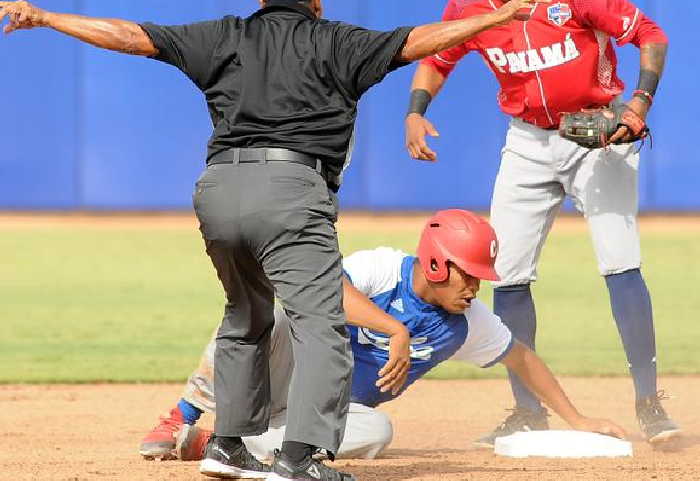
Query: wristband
(649,98)
(420,99)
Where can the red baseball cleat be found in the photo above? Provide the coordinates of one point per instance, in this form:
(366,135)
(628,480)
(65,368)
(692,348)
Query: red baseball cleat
(160,442)
(191,442)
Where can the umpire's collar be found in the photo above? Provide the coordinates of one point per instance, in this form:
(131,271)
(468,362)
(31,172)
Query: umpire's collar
(272,5)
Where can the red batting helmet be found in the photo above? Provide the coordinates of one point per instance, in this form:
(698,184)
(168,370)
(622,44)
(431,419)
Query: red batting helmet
(461,237)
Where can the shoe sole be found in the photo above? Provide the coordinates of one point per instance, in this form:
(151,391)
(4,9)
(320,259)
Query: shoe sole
(277,477)
(215,469)
(482,445)
(664,437)
(162,453)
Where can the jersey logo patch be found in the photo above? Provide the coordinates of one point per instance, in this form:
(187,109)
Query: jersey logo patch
(559,13)
(397,304)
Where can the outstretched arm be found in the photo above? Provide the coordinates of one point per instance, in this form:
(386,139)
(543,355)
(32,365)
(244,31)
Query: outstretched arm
(427,40)
(537,376)
(112,34)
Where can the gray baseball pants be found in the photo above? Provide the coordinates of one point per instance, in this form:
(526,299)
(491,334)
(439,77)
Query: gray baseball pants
(269,231)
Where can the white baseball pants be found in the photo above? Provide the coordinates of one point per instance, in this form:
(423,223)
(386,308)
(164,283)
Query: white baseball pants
(538,170)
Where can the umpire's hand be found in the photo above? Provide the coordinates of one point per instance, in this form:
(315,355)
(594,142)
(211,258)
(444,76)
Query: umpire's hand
(417,127)
(22,15)
(395,372)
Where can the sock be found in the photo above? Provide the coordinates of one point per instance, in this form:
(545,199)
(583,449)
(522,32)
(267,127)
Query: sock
(190,413)
(631,307)
(296,452)
(515,307)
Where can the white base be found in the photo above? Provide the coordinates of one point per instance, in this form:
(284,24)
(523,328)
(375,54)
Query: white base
(561,444)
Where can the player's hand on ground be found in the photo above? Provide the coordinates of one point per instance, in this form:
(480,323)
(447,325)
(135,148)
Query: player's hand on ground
(600,426)
(417,127)
(395,372)
(21,15)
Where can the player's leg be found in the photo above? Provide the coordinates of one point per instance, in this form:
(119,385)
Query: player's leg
(606,189)
(191,440)
(165,440)
(367,433)
(264,445)
(304,265)
(367,430)
(241,373)
(525,202)
(199,390)
(297,244)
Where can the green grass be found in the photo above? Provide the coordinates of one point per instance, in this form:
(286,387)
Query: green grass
(138,305)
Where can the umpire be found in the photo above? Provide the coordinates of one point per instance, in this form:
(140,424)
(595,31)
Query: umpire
(282,88)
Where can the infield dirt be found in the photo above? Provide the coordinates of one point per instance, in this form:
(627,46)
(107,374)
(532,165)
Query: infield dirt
(92,432)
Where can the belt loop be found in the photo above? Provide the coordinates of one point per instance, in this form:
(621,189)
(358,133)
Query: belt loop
(319,166)
(264,159)
(236,156)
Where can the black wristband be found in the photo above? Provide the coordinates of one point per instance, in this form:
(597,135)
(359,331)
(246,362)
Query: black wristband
(648,81)
(420,99)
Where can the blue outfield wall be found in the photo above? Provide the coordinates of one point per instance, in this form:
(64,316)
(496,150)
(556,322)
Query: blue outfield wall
(83,128)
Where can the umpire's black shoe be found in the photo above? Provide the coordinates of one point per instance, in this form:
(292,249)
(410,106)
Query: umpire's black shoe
(520,419)
(308,470)
(228,458)
(653,420)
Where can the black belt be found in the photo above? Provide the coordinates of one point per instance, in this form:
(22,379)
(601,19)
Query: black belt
(273,154)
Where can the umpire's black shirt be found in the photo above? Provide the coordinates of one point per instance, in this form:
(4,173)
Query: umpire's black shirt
(281,77)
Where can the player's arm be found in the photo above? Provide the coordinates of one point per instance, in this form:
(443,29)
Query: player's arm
(652,63)
(427,82)
(426,40)
(112,34)
(537,376)
(362,312)
(432,73)
(627,24)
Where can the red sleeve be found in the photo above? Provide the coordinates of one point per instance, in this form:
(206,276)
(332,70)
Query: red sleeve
(620,19)
(445,61)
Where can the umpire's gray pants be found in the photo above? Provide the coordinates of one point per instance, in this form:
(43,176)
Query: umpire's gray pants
(269,230)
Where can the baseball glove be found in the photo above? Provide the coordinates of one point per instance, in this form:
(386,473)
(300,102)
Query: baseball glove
(593,128)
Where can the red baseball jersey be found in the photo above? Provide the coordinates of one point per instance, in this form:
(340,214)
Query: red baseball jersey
(561,60)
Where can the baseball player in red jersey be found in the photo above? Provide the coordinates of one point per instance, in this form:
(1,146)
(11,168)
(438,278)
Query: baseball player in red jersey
(561,59)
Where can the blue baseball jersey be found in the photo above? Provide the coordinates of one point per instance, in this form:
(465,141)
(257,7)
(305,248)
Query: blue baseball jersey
(385,276)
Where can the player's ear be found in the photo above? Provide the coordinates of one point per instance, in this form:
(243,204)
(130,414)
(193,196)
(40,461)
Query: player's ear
(262,3)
